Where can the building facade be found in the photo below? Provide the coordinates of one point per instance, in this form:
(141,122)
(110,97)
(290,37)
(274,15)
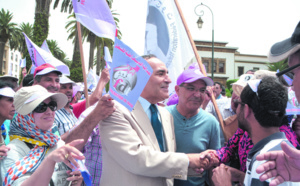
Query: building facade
(228,62)
(11,62)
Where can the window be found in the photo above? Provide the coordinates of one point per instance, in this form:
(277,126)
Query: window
(240,71)
(215,64)
(219,65)
(205,63)
(16,68)
(16,58)
(4,55)
(256,68)
(4,65)
(12,56)
(11,68)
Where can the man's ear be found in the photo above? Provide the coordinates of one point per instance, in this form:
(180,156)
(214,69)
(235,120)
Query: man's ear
(35,82)
(177,89)
(247,111)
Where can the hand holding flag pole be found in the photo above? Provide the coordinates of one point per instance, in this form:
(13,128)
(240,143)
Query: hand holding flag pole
(201,68)
(83,65)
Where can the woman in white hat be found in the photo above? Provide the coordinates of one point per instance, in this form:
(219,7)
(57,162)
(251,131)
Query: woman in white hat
(7,111)
(37,156)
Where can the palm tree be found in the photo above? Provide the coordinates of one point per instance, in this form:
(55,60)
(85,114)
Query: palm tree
(86,34)
(18,41)
(281,65)
(7,30)
(41,21)
(57,52)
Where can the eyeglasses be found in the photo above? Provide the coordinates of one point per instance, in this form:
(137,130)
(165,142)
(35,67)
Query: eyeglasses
(287,70)
(42,107)
(192,89)
(237,102)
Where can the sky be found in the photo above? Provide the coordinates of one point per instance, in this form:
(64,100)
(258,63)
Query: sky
(251,26)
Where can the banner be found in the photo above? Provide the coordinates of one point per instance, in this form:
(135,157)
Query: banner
(96,16)
(92,79)
(166,38)
(293,106)
(40,56)
(107,57)
(23,63)
(128,75)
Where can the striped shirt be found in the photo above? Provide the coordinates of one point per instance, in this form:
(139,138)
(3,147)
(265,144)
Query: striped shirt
(270,143)
(64,120)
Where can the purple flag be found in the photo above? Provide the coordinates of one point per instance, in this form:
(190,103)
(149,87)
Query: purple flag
(96,16)
(45,46)
(39,56)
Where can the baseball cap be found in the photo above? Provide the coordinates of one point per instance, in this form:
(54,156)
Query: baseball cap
(65,80)
(28,98)
(45,69)
(173,99)
(238,86)
(191,75)
(7,92)
(283,49)
(9,77)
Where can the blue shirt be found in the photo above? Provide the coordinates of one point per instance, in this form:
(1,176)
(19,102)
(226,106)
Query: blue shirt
(195,135)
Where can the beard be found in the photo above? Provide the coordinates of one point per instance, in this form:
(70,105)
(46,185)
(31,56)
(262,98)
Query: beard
(242,123)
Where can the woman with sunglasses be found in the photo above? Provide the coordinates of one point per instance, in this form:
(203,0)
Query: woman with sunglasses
(37,156)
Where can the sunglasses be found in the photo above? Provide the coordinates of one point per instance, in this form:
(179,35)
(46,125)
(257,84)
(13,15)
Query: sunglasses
(237,102)
(278,74)
(42,107)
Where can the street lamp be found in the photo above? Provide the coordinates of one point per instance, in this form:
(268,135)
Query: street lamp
(199,23)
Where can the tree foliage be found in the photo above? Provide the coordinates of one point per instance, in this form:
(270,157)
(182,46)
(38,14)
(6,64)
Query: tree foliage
(281,65)
(7,30)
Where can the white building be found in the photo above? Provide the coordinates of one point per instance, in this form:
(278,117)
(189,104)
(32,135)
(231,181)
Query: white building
(11,62)
(229,63)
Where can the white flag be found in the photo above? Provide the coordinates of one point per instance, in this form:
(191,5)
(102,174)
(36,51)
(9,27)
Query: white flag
(166,38)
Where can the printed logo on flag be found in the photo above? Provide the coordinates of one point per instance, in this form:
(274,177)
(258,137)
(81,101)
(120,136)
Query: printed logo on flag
(124,78)
(129,74)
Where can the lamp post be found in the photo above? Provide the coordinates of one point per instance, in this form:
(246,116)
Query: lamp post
(199,23)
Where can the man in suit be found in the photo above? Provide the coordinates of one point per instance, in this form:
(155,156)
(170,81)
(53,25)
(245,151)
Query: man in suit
(134,152)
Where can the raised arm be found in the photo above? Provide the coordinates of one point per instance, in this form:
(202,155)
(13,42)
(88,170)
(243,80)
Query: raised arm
(104,108)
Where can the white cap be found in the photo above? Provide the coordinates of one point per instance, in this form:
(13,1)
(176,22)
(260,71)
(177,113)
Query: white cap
(65,80)
(7,91)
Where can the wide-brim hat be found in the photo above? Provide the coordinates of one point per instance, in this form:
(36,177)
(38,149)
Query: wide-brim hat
(191,75)
(283,49)
(28,98)
(238,86)
(9,77)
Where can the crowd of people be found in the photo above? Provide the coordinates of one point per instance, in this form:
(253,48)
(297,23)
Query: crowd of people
(47,129)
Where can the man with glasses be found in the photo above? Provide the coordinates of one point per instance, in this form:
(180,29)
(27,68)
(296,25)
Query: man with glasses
(195,129)
(284,165)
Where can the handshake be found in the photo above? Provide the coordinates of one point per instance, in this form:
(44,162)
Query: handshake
(203,161)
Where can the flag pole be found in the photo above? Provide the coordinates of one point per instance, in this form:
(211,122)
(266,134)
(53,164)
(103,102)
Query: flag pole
(201,67)
(83,65)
